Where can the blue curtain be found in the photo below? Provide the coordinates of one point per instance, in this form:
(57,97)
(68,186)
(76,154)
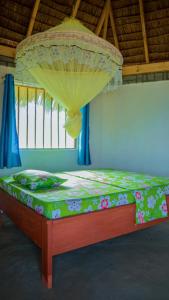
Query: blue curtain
(9,146)
(83,140)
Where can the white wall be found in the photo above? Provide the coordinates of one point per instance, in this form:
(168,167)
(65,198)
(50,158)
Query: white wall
(130,128)
(49,160)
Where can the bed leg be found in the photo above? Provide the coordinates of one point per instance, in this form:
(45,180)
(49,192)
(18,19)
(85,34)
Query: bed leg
(47,254)
(1,213)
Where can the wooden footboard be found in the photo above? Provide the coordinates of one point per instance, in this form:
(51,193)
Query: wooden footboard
(66,234)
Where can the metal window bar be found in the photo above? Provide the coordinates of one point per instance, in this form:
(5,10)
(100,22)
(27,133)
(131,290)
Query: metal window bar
(18,107)
(51,119)
(58,124)
(43,119)
(27,116)
(35,115)
(65,131)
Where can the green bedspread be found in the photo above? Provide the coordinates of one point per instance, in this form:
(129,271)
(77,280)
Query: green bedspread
(87,191)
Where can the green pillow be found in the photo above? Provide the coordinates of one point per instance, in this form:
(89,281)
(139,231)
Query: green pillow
(35,179)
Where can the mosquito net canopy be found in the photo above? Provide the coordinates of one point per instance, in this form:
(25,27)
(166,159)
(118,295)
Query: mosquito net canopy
(72,64)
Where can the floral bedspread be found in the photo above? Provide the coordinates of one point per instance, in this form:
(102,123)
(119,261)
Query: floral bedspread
(75,196)
(149,191)
(87,191)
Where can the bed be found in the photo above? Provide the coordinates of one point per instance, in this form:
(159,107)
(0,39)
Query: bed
(91,206)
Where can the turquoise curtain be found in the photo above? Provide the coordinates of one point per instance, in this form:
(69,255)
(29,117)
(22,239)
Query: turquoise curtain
(9,146)
(83,140)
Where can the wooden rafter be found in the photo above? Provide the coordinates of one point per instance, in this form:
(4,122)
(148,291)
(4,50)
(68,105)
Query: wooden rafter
(7,51)
(75,8)
(146,68)
(113,26)
(33,17)
(102,18)
(106,20)
(144,30)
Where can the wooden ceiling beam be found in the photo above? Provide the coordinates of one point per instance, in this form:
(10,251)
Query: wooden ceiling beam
(106,20)
(7,51)
(113,26)
(144,30)
(33,17)
(146,68)
(127,69)
(75,8)
(102,18)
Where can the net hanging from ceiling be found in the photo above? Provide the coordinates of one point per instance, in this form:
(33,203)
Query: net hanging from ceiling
(72,64)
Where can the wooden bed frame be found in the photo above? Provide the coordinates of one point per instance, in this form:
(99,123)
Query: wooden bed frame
(62,235)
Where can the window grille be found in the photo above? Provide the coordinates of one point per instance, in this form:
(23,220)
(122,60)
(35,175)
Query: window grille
(40,120)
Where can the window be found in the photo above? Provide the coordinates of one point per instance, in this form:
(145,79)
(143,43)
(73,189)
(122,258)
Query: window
(40,120)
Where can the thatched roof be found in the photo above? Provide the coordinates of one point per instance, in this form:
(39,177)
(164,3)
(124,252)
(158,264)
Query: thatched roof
(129,30)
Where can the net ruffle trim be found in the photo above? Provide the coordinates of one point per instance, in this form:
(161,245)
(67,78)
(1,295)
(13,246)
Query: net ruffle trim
(84,41)
(65,58)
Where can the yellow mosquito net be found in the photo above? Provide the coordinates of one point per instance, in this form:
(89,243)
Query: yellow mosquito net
(72,64)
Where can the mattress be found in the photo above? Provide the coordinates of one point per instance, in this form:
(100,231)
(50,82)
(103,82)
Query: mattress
(75,196)
(87,191)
